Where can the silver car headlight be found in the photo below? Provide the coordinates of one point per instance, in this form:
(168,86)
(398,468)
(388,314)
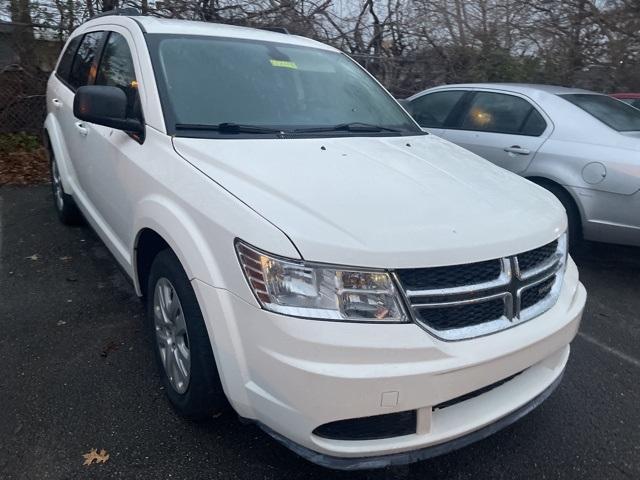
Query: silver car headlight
(301,289)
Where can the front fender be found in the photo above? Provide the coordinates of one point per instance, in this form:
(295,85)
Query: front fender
(173,223)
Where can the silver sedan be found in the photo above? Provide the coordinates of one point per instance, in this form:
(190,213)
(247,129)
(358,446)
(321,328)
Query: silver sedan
(582,146)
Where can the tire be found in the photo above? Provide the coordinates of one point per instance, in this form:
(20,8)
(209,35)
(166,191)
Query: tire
(573,215)
(199,394)
(64,204)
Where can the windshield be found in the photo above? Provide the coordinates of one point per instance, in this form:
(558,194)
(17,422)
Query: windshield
(211,81)
(614,113)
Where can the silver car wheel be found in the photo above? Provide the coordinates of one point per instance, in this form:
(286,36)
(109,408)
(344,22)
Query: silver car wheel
(57,185)
(172,337)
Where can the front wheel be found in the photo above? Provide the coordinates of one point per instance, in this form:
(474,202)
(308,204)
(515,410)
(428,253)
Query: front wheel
(181,341)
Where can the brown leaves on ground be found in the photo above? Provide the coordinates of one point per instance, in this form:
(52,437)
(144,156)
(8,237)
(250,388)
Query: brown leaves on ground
(24,167)
(23,159)
(94,456)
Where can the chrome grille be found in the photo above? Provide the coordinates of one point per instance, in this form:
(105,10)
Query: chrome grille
(466,301)
(448,277)
(538,256)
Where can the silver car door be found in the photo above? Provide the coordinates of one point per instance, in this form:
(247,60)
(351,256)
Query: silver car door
(503,128)
(432,110)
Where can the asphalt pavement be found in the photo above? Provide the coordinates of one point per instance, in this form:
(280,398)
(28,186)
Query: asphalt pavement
(76,373)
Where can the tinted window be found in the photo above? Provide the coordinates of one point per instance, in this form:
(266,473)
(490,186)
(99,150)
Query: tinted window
(208,80)
(64,67)
(634,102)
(500,113)
(534,125)
(116,67)
(432,110)
(83,69)
(618,115)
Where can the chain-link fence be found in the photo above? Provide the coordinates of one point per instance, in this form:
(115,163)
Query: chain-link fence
(28,54)
(22,99)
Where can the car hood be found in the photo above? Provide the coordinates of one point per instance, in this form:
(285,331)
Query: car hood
(388,202)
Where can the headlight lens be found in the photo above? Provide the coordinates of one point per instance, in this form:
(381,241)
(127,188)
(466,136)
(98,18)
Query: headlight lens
(306,290)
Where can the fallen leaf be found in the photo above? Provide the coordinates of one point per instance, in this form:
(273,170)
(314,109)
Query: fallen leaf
(34,257)
(111,347)
(95,456)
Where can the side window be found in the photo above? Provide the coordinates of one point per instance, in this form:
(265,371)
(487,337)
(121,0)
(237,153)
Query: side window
(83,67)
(66,59)
(534,125)
(432,110)
(116,69)
(501,113)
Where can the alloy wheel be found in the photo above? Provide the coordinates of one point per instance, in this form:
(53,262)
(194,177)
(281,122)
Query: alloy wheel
(172,338)
(57,185)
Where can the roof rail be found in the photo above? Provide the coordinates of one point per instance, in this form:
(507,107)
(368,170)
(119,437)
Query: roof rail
(125,12)
(275,29)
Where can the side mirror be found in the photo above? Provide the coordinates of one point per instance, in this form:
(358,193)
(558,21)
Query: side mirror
(106,106)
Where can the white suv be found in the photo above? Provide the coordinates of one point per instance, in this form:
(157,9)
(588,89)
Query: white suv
(367,293)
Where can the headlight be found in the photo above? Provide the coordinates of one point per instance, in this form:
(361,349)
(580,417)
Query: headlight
(300,289)
(563,248)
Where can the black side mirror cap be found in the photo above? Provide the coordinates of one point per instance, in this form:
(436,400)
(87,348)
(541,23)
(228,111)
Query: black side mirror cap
(105,105)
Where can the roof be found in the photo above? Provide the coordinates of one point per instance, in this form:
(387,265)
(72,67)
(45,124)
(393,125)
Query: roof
(188,27)
(523,88)
(625,95)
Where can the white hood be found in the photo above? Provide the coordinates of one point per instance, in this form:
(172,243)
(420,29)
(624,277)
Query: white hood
(381,201)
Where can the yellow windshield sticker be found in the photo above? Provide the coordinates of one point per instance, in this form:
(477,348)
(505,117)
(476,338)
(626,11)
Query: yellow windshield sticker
(283,64)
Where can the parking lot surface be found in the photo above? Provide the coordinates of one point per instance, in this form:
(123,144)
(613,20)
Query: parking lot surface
(77,373)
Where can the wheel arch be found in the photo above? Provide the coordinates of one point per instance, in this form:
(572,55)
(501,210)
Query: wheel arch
(53,142)
(161,225)
(542,181)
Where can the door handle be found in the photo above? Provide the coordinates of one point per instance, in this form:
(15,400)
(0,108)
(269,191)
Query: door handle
(82,130)
(56,103)
(518,150)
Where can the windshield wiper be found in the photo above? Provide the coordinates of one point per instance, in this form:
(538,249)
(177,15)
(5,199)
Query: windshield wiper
(349,127)
(227,127)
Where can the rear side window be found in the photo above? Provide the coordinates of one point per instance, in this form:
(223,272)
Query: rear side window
(432,110)
(64,66)
(116,68)
(501,113)
(534,125)
(83,69)
(618,115)
(634,102)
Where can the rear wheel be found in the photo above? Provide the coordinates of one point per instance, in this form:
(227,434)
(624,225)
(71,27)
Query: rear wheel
(66,208)
(573,215)
(181,342)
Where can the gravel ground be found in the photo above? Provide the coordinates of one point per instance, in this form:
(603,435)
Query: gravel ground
(77,374)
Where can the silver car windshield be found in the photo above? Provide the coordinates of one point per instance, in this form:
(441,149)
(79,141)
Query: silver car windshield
(614,113)
(251,86)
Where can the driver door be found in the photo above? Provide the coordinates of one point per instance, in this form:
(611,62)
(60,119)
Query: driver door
(108,152)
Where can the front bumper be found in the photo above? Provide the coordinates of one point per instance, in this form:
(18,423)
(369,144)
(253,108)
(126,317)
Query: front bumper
(292,375)
(403,458)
